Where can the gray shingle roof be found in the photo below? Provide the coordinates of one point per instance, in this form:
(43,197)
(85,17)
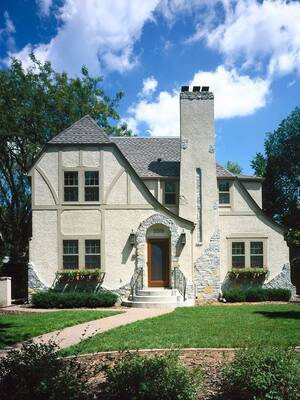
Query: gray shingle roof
(84,131)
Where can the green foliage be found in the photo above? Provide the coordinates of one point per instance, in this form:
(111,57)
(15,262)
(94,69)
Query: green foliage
(259,164)
(256,295)
(248,273)
(35,373)
(73,274)
(262,374)
(139,377)
(36,104)
(52,299)
(234,167)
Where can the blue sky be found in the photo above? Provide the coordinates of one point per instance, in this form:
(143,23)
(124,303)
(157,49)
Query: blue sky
(248,51)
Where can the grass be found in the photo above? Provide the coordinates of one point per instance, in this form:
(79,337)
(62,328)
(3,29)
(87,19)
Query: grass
(204,326)
(19,327)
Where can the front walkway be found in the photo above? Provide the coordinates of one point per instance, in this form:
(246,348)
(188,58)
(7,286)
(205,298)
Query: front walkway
(75,334)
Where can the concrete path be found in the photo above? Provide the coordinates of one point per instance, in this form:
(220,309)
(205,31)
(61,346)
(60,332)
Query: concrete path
(75,334)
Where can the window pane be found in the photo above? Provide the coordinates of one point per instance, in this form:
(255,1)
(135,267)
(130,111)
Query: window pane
(92,246)
(256,247)
(70,193)
(91,193)
(70,262)
(70,246)
(224,198)
(238,247)
(257,261)
(92,261)
(91,178)
(223,186)
(170,198)
(71,178)
(238,261)
(170,187)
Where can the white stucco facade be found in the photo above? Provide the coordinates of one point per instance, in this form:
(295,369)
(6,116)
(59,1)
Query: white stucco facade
(127,202)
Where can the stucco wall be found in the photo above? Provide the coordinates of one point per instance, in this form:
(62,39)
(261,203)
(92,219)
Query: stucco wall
(81,222)
(255,190)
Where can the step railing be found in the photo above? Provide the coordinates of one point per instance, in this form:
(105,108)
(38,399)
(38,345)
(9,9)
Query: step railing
(179,282)
(136,282)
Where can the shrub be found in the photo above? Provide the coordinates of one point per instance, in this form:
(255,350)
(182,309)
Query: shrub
(52,299)
(35,373)
(256,295)
(257,374)
(139,377)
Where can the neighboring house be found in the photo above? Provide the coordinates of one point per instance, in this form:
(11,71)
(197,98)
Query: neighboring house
(153,212)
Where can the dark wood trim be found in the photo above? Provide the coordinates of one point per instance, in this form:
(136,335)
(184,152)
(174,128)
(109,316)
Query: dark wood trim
(156,283)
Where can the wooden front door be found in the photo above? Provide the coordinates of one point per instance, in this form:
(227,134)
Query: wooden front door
(158,262)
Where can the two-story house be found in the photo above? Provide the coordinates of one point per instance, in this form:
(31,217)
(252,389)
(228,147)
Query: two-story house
(153,213)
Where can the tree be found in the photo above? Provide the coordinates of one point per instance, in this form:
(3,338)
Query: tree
(234,167)
(36,104)
(281,168)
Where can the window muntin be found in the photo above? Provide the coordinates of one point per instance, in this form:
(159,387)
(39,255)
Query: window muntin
(70,254)
(70,186)
(170,193)
(257,254)
(224,192)
(91,186)
(92,254)
(238,254)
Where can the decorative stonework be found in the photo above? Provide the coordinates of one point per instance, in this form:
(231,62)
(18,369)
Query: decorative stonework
(184,143)
(211,149)
(207,271)
(34,282)
(282,280)
(197,95)
(141,238)
(199,204)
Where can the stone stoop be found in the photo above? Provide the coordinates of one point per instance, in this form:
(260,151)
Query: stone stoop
(156,298)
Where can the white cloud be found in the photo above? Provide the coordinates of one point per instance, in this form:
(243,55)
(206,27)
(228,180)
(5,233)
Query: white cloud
(235,95)
(149,86)
(44,7)
(7,32)
(255,32)
(100,35)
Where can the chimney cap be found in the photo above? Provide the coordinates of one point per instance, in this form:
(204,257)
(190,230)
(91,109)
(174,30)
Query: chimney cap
(205,89)
(196,88)
(185,88)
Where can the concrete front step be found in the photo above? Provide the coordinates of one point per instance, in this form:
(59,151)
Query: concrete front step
(157,299)
(142,304)
(156,292)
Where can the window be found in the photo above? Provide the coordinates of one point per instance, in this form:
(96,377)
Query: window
(224,193)
(257,254)
(238,254)
(91,186)
(248,253)
(70,254)
(92,254)
(70,186)
(170,193)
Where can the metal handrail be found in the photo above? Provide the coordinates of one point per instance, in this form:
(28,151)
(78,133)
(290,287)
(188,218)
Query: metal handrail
(136,282)
(179,282)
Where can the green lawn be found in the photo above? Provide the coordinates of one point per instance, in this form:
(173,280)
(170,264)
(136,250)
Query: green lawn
(204,326)
(19,327)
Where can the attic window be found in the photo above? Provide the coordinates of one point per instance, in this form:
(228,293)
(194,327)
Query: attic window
(70,186)
(170,193)
(224,192)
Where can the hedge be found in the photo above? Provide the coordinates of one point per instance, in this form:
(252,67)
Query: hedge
(256,295)
(52,299)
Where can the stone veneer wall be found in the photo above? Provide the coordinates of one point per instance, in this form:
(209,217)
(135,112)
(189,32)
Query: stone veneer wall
(282,280)
(34,282)
(207,270)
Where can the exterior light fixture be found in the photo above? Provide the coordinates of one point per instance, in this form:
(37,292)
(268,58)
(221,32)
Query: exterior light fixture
(183,238)
(132,238)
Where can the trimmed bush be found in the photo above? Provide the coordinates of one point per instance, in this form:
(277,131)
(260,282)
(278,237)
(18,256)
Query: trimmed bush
(35,373)
(139,377)
(256,295)
(52,299)
(259,374)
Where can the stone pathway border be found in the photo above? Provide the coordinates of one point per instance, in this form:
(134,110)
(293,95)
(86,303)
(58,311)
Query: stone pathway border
(75,334)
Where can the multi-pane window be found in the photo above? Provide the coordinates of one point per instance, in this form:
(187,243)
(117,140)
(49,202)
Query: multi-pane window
(257,254)
(91,186)
(70,254)
(70,186)
(224,192)
(248,253)
(170,193)
(92,254)
(238,254)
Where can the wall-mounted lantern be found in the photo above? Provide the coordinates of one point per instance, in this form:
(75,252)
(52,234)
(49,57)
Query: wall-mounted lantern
(182,238)
(132,238)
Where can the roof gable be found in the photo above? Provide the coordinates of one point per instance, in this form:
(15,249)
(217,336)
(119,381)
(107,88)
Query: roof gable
(83,131)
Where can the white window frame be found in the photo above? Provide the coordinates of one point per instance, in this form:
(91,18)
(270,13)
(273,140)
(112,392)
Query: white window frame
(81,185)
(247,241)
(229,192)
(81,250)
(175,192)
